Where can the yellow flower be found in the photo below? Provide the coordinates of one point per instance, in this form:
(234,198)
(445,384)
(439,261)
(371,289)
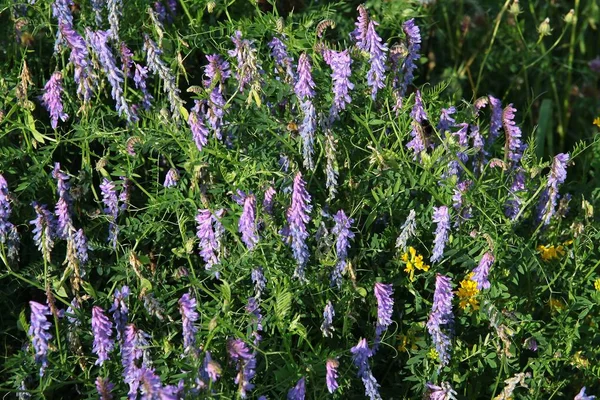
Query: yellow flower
(555,304)
(413,261)
(597,284)
(597,122)
(579,361)
(550,252)
(432,354)
(467,293)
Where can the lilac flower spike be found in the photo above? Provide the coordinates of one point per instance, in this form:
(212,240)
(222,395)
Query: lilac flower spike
(339,62)
(360,356)
(104,388)
(52,101)
(44,230)
(102,331)
(331,374)
(446,121)
(171,178)
(216,71)
(442,218)
(197,126)
(268,200)
(480,274)
(441,316)
(99,43)
(134,340)
(110,200)
(246,365)
(444,392)
(80,58)
(418,112)
(513,147)
(304,90)
(496,120)
(62,209)
(342,244)
(139,78)
(408,231)
(159,67)
(209,232)
(187,308)
(259,281)
(385,304)
(327,325)
(583,396)
(39,333)
(120,310)
(282,59)
(298,217)
(248,65)
(359,35)
(557,176)
(413,38)
(115,11)
(61,10)
(8,232)
(247,223)
(298,392)
(368,40)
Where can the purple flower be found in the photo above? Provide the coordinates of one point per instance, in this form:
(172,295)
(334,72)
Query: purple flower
(97,7)
(268,200)
(444,392)
(259,281)
(247,223)
(104,388)
(282,59)
(115,10)
(459,190)
(331,172)
(419,142)
(134,340)
(52,101)
(125,193)
(110,200)
(582,396)
(331,374)
(359,35)
(246,365)
(99,43)
(126,59)
(595,65)
(446,121)
(441,316)
(442,218)
(248,66)
(385,305)
(139,78)
(304,90)
(360,357)
(62,210)
(480,274)
(557,176)
(496,120)
(216,71)
(343,235)
(209,232)
(298,217)
(298,392)
(160,68)
(102,331)
(253,308)
(8,232)
(196,123)
(513,146)
(339,62)
(408,231)
(44,230)
(61,10)
(151,386)
(160,10)
(211,368)
(39,333)
(120,310)
(327,325)
(80,58)
(377,58)
(171,178)
(418,112)
(413,38)
(187,308)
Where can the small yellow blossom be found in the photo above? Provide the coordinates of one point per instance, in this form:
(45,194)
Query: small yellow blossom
(413,261)
(579,361)
(556,304)
(551,252)
(597,284)
(432,354)
(467,293)
(597,122)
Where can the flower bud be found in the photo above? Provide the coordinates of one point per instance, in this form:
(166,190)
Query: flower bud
(514,8)
(571,18)
(544,28)
(211,6)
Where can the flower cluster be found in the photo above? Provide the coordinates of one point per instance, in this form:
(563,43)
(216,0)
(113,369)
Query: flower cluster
(52,99)
(360,357)
(467,293)
(39,332)
(441,316)
(343,235)
(187,308)
(298,217)
(209,232)
(247,224)
(442,218)
(413,261)
(102,330)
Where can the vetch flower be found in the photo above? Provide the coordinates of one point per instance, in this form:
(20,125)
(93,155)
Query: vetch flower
(442,218)
(115,11)
(110,200)
(126,59)
(283,62)
(327,325)
(253,308)
(209,232)
(120,310)
(246,365)
(187,308)
(408,231)
(61,10)
(216,71)
(343,235)
(298,392)
(359,35)
(44,230)
(413,39)
(360,357)
(247,224)
(8,232)
(480,274)
(197,126)
(171,178)
(496,119)
(39,333)
(139,78)
(331,172)
(52,101)
(268,200)
(339,62)
(104,388)
(248,65)
(211,368)
(443,392)
(418,112)
(557,176)
(377,57)
(102,331)
(441,317)
(80,58)
(446,121)
(160,68)
(62,210)
(304,90)
(583,396)
(385,305)
(298,217)
(134,340)
(259,281)
(331,375)
(513,146)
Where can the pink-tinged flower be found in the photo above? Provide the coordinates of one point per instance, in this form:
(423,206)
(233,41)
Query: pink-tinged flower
(246,365)
(339,62)
(327,325)
(331,375)
(513,146)
(104,388)
(442,218)
(52,101)
(298,217)
(480,274)
(441,317)
(298,392)
(556,177)
(187,308)
(385,306)
(39,332)
(102,331)
(360,357)
(171,178)
(247,224)
(444,392)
